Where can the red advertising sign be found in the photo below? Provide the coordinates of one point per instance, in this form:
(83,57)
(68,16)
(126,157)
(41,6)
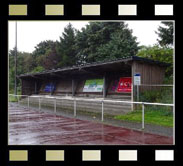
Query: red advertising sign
(125,84)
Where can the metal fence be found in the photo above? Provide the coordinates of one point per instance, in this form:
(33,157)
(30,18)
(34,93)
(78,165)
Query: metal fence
(56,100)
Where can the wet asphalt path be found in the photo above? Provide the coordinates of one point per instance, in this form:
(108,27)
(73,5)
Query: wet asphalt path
(31,127)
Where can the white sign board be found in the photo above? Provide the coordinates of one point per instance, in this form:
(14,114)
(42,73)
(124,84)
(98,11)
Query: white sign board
(137,79)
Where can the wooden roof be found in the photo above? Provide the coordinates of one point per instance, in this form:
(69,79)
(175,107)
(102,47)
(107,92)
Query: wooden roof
(121,64)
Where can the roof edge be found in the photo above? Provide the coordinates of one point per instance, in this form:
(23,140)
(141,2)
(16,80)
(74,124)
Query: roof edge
(75,67)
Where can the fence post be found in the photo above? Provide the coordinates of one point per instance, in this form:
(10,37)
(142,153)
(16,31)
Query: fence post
(74,107)
(39,103)
(55,105)
(102,111)
(137,92)
(28,101)
(142,116)
(18,101)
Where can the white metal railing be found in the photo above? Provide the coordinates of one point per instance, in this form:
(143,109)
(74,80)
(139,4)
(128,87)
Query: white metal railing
(100,100)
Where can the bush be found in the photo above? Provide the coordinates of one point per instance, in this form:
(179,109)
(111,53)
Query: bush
(150,96)
(162,95)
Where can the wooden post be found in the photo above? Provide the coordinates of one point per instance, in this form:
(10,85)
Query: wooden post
(51,89)
(35,87)
(74,86)
(22,89)
(104,87)
(137,92)
(73,93)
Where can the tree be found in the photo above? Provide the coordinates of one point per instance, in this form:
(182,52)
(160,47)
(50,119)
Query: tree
(122,44)
(105,40)
(45,55)
(50,60)
(42,47)
(165,34)
(24,65)
(66,47)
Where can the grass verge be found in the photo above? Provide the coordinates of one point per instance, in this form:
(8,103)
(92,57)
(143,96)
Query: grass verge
(156,117)
(13,99)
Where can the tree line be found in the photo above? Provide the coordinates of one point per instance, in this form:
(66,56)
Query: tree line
(97,41)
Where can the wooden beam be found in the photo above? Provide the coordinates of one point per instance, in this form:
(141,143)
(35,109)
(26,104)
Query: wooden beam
(104,87)
(74,86)
(88,71)
(35,87)
(56,75)
(22,87)
(37,77)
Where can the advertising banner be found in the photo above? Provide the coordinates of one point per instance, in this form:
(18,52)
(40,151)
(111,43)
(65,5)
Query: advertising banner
(95,85)
(49,87)
(125,84)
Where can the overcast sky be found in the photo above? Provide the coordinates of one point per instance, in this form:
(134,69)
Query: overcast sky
(31,33)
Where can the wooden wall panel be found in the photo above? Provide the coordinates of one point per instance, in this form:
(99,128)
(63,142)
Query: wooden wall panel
(28,87)
(150,74)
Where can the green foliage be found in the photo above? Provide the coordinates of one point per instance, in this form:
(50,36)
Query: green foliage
(103,40)
(168,80)
(45,55)
(162,95)
(24,65)
(159,95)
(165,34)
(13,99)
(122,44)
(37,69)
(156,117)
(150,96)
(66,47)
